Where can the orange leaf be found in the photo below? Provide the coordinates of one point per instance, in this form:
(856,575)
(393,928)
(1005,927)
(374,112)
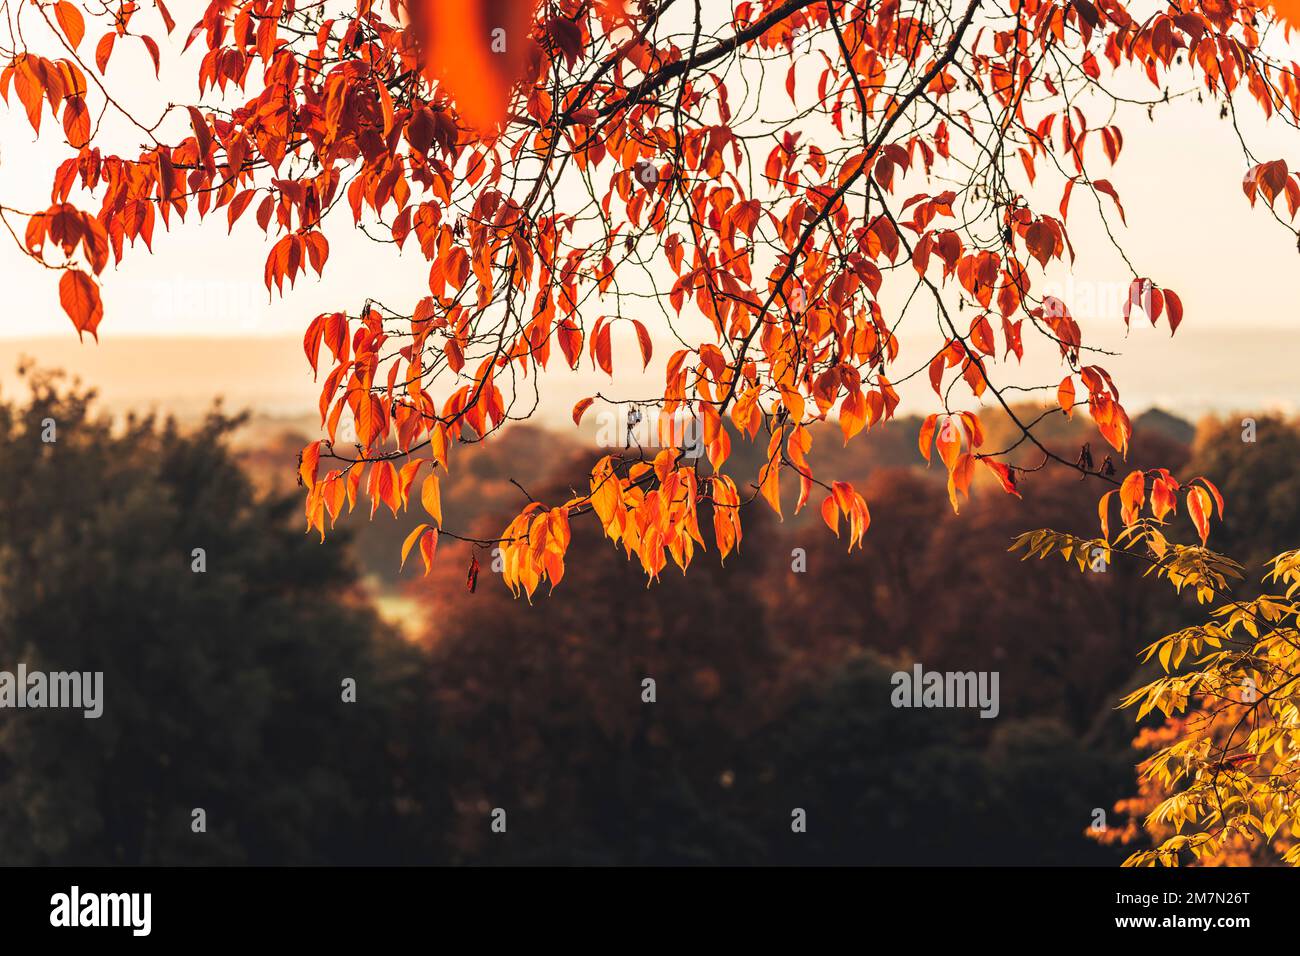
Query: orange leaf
(926,437)
(406,476)
(1214,492)
(859,520)
(959,480)
(1065,396)
(853,414)
(770,481)
(310,463)
(410,543)
(719,449)
(428,545)
(79,297)
(1162,497)
(1198,506)
(797,449)
(831,514)
(1132,495)
(478,50)
(580,409)
(853,506)
(382,486)
(76,121)
(28,86)
(71,21)
(103,50)
(370,420)
(726,514)
(949,443)
(1104,515)
(1287,11)
(431,497)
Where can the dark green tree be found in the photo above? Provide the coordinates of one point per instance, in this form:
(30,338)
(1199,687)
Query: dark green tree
(222,689)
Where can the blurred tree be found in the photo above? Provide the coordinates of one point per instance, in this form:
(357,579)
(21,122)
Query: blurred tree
(936,587)
(887,786)
(222,689)
(1258,479)
(772,694)
(545,704)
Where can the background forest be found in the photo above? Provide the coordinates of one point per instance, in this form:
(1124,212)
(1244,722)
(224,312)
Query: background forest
(223,688)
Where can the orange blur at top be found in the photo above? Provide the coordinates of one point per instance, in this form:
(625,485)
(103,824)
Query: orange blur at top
(477,50)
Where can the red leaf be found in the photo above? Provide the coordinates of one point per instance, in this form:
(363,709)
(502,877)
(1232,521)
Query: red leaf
(643,338)
(1175,307)
(1104,186)
(166,15)
(602,349)
(1005,475)
(202,135)
(937,365)
(152,47)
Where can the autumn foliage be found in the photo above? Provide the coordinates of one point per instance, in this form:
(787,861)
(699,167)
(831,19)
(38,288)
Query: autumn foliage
(725,190)
(1221,781)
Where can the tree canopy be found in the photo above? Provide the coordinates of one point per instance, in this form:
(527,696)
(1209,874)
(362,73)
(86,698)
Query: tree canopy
(731,188)
(735,189)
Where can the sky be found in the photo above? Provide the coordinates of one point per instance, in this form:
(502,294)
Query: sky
(1190,228)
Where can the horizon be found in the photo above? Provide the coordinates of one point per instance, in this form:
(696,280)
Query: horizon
(268,375)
